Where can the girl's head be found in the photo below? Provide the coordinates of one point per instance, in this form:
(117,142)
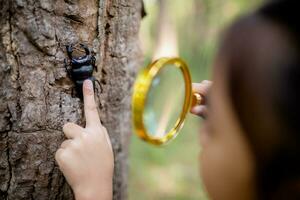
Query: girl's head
(251,140)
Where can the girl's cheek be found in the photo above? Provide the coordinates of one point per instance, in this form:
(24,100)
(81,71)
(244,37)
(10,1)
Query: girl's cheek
(204,134)
(203,137)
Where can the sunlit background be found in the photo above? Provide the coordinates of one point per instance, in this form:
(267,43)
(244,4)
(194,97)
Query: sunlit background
(190,29)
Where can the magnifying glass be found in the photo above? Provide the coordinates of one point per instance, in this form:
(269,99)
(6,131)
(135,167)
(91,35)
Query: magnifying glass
(162,97)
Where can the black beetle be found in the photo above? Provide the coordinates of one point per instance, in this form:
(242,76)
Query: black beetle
(80,68)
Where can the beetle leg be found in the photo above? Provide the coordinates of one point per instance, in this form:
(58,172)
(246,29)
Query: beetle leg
(69,50)
(93,60)
(73,92)
(86,49)
(101,89)
(67,69)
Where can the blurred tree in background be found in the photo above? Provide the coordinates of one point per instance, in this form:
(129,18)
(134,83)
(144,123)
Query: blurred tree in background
(171,172)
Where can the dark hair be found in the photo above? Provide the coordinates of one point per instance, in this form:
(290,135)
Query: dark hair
(261,54)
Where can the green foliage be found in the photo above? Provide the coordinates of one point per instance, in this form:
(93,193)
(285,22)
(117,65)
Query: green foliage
(171,172)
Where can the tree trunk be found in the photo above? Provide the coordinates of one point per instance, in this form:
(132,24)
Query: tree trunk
(36,95)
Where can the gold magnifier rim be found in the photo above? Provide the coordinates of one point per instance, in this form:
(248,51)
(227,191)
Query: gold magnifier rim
(140,92)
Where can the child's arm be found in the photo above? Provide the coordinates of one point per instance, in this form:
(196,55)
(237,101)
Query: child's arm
(86,157)
(203,89)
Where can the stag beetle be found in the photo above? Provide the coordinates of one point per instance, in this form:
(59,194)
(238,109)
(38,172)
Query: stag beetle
(80,68)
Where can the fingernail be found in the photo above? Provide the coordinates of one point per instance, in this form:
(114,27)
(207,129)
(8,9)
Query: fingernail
(88,86)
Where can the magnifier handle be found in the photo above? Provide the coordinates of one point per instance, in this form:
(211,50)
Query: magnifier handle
(197,99)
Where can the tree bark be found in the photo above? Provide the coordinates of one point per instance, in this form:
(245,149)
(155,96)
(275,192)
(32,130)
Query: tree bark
(36,95)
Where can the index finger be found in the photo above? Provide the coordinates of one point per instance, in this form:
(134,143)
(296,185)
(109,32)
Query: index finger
(202,88)
(90,107)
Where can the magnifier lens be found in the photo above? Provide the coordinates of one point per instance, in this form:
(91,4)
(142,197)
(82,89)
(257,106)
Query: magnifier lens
(165,101)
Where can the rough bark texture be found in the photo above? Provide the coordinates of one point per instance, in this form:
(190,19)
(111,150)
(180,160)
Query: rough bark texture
(36,94)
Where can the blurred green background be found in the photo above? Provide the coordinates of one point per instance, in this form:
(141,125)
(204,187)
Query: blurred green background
(172,171)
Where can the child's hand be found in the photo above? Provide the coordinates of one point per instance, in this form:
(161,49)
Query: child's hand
(202,89)
(86,157)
